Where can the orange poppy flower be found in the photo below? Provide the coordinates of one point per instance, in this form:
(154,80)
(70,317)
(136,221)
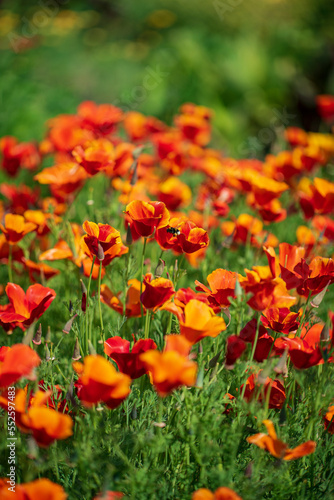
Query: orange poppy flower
(222,285)
(95,156)
(109,495)
(65,133)
(222,493)
(99,381)
(278,448)
(118,350)
(102,234)
(20,198)
(26,307)
(274,388)
(41,220)
(157,291)
(17,252)
(329,420)
(325,105)
(147,216)
(39,489)
(37,271)
(16,228)
(174,193)
(198,320)
(63,178)
(132,307)
(171,368)
(280,320)
(17,362)
(182,235)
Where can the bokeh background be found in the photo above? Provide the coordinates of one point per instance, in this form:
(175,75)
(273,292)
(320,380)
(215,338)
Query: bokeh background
(258,63)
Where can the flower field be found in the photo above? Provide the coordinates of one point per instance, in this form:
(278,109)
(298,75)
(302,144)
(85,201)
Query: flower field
(166,311)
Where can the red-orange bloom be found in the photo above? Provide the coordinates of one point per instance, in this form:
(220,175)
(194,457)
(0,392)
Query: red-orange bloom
(100,118)
(16,228)
(280,319)
(40,489)
(147,216)
(222,493)
(174,193)
(102,234)
(157,291)
(182,235)
(325,104)
(64,178)
(256,389)
(329,420)
(16,155)
(222,285)
(278,448)
(118,350)
(99,381)
(27,307)
(95,156)
(171,368)
(234,349)
(17,362)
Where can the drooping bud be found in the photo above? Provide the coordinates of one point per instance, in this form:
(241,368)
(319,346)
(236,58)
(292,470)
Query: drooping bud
(91,348)
(100,252)
(76,353)
(159,269)
(84,297)
(316,301)
(48,335)
(68,326)
(38,336)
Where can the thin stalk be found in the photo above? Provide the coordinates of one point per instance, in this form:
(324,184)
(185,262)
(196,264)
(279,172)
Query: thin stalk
(99,294)
(147,323)
(87,336)
(141,276)
(10,258)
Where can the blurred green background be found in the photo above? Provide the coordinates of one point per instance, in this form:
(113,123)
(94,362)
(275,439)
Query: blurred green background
(258,63)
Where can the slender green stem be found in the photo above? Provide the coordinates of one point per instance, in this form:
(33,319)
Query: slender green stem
(99,294)
(169,324)
(87,310)
(10,258)
(141,276)
(147,323)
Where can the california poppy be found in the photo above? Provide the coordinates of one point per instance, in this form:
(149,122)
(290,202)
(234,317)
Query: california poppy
(147,216)
(38,489)
(198,320)
(17,362)
(118,350)
(157,291)
(222,493)
(222,286)
(102,234)
(15,228)
(278,448)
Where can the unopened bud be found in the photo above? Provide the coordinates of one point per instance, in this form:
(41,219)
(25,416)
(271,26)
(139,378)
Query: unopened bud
(68,326)
(137,152)
(83,297)
(128,239)
(263,375)
(32,448)
(48,335)
(325,334)
(76,353)
(100,252)
(134,177)
(83,287)
(38,336)
(91,348)
(281,366)
(237,289)
(227,242)
(47,353)
(159,269)
(213,361)
(249,470)
(316,301)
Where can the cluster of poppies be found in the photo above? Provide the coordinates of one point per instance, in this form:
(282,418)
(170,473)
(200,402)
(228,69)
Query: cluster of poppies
(143,176)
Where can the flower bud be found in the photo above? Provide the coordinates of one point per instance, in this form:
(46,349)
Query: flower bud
(316,301)
(128,239)
(159,269)
(100,252)
(68,325)
(76,353)
(38,336)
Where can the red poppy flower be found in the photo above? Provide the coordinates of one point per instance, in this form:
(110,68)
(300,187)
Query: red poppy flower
(325,105)
(147,216)
(275,387)
(27,307)
(100,118)
(157,291)
(174,193)
(235,348)
(16,155)
(17,362)
(64,179)
(222,285)
(132,302)
(20,198)
(182,235)
(264,341)
(40,488)
(118,350)
(280,319)
(95,156)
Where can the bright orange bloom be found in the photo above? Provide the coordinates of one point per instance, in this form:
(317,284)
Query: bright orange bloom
(139,127)
(329,420)
(100,118)
(132,308)
(146,216)
(26,307)
(171,368)
(102,234)
(20,198)
(157,291)
(194,123)
(174,193)
(39,271)
(222,285)
(40,489)
(248,228)
(95,156)
(118,350)
(17,362)
(222,493)
(280,320)
(277,448)
(65,133)
(16,228)
(41,220)
(99,381)
(265,189)
(63,178)
(198,321)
